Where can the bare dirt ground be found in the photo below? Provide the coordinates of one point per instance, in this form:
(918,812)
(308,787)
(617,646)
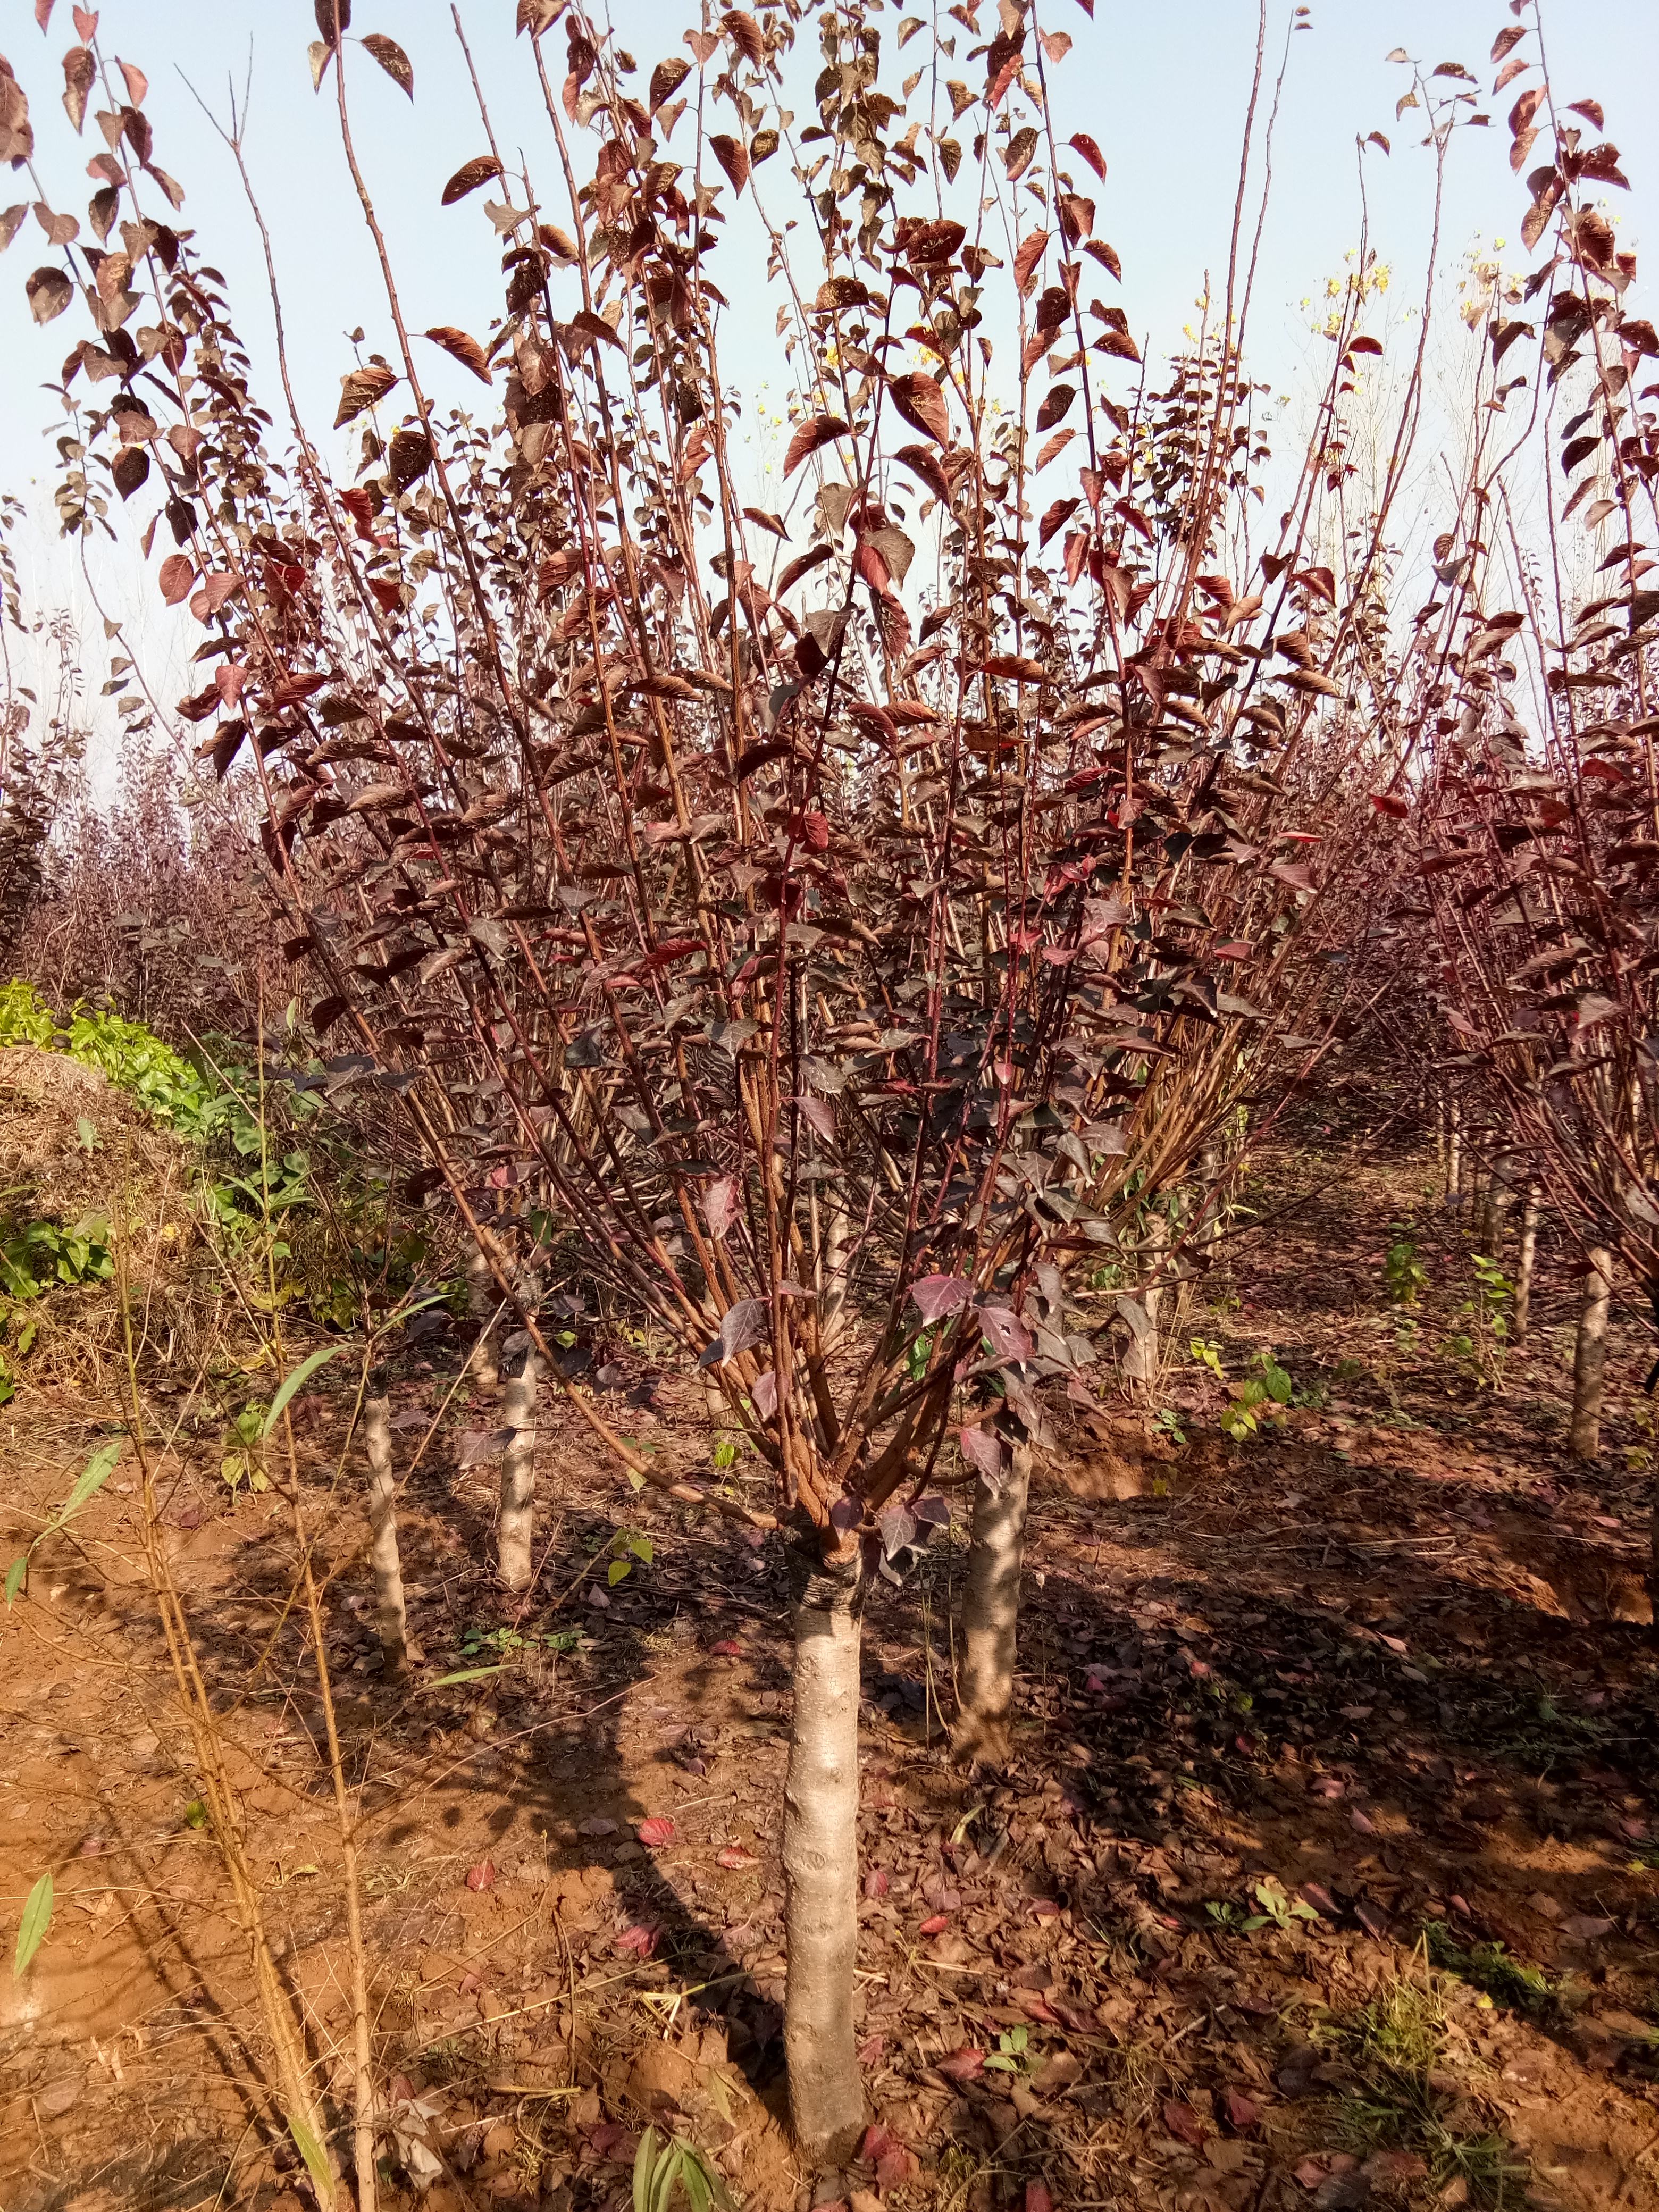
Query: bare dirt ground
(1326,1869)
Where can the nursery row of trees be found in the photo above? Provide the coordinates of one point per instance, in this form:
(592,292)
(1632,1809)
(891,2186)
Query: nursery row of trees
(848,927)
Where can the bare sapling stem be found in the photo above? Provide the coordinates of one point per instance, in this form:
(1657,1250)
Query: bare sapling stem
(1589,1355)
(990,1611)
(482,1300)
(820,1861)
(1525,1256)
(1454,1149)
(390,1616)
(1499,1196)
(518,1506)
(832,1300)
(362,2053)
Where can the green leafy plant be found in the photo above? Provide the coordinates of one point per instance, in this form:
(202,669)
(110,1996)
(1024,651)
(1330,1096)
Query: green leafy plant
(506,1641)
(1209,1356)
(1277,1910)
(1258,1397)
(1488,1966)
(1403,1272)
(90,1480)
(32,1929)
(661,2168)
(1013,2053)
(24,1017)
(1167,1423)
(36,1255)
(627,1545)
(241,1461)
(1481,1345)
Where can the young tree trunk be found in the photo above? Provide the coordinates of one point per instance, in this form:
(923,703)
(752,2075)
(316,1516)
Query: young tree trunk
(1143,1361)
(390,1617)
(820,1861)
(990,1614)
(1440,1133)
(1453,1150)
(519,1474)
(1500,1197)
(1589,1355)
(1525,1256)
(482,1299)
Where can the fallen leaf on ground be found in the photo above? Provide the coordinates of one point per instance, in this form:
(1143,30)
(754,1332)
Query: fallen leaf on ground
(1182,2120)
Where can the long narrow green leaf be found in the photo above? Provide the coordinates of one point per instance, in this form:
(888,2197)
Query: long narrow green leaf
(290,1383)
(644,2159)
(92,1478)
(466,1675)
(37,1918)
(312,2151)
(669,2170)
(15,1574)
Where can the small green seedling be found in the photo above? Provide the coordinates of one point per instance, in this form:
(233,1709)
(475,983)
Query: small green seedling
(1403,1272)
(659,2168)
(1278,1910)
(32,1929)
(1012,2054)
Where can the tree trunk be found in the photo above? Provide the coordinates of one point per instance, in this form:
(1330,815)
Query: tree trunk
(519,1474)
(820,1864)
(1589,1355)
(1525,1255)
(1144,1362)
(1453,1150)
(482,1299)
(990,1614)
(383,1523)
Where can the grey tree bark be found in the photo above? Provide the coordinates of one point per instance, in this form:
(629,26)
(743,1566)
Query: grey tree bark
(1590,1354)
(1526,1252)
(390,1616)
(820,1861)
(1453,1150)
(990,1614)
(1143,1362)
(516,1522)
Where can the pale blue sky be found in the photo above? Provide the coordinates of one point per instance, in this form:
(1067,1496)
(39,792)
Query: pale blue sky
(1163,88)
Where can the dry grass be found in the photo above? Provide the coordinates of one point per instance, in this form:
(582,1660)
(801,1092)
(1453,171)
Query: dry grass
(130,1176)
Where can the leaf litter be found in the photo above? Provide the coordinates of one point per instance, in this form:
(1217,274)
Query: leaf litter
(1305,1884)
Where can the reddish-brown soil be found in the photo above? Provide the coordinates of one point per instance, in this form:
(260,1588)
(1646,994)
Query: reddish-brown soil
(1374,1663)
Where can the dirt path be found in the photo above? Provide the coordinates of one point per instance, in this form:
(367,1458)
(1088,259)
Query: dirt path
(1356,1685)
